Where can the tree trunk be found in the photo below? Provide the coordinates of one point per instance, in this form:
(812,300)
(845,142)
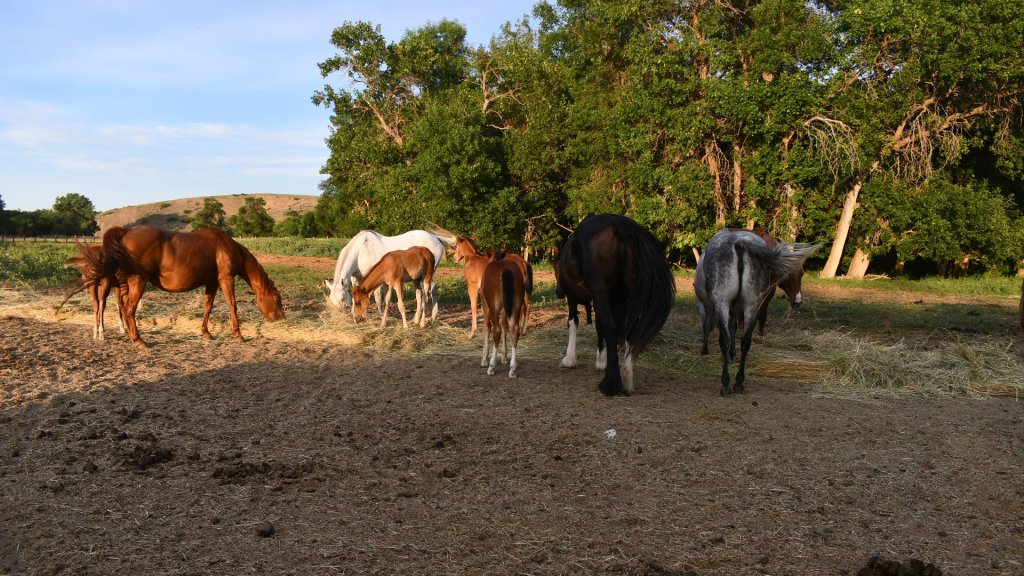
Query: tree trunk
(859,265)
(712,155)
(842,231)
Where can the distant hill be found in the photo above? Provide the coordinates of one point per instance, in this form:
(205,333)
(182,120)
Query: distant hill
(174,215)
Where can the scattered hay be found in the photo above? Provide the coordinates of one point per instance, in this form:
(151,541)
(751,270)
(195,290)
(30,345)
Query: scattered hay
(946,368)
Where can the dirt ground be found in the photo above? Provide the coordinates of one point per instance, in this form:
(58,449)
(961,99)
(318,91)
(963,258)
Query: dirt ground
(292,456)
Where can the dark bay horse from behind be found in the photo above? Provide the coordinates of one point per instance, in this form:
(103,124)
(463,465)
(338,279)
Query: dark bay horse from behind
(736,274)
(619,267)
(179,262)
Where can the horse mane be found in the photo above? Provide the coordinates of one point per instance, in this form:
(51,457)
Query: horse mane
(651,302)
(252,268)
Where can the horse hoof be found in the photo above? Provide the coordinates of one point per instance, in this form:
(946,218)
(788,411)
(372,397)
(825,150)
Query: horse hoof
(609,388)
(490,371)
(141,344)
(567,363)
(725,392)
(206,336)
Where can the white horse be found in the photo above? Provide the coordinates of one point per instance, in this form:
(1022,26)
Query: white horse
(366,248)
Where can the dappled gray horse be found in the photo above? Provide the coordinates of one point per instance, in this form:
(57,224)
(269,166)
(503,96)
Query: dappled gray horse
(736,273)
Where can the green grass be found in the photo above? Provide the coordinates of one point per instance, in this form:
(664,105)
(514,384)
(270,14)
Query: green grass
(39,265)
(291,246)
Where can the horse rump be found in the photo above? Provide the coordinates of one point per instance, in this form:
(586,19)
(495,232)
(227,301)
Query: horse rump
(619,267)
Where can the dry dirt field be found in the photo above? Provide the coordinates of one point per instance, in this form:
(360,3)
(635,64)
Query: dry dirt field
(292,455)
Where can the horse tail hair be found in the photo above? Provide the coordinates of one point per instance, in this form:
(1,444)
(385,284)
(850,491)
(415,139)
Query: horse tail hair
(113,256)
(651,301)
(508,291)
(446,237)
(783,259)
(528,281)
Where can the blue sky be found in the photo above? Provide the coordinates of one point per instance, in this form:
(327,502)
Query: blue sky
(129,102)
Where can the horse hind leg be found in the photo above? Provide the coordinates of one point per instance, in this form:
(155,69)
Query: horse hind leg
(627,369)
(748,336)
(569,361)
(724,344)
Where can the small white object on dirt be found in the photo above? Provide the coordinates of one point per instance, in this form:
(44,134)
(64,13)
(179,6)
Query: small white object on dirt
(611,433)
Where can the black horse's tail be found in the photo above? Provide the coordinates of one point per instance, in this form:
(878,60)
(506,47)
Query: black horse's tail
(528,281)
(508,291)
(651,300)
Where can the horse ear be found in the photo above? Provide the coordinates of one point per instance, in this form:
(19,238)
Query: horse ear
(328,284)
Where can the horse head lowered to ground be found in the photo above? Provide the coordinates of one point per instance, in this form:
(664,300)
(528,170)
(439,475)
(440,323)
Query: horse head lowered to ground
(619,267)
(737,274)
(415,264)
(178,262)
(366,248)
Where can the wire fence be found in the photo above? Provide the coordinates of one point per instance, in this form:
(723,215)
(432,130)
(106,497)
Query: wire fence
(53,238)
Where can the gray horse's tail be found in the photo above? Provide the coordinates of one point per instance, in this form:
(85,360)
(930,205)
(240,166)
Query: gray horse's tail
(783,258)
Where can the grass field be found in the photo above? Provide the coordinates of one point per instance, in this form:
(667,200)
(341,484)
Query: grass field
(934,336)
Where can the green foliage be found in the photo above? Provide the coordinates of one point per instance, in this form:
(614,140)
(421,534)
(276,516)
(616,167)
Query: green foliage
(74,214)
(210,215)
(292,246)
(689,117)
(252,218)
(37,264)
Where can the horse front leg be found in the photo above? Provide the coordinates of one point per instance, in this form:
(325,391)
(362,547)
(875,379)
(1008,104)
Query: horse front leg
(420,317)
(227,284)
(387,304)
(474,298)
(211,291)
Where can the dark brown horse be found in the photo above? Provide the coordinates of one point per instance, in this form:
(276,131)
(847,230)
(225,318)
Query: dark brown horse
(179,262)
(504,295)
(619,267)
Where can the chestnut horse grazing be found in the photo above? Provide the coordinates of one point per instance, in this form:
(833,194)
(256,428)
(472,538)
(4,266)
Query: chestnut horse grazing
(619,267)
(504,295)
(416,265)
(98,290)
(474,264)
(179,262)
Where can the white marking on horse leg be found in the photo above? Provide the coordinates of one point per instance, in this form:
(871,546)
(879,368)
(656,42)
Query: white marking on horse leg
(483,359)
(798,299)
(570,352)
(602,359)
(513,364)
(627,370)
(494,360)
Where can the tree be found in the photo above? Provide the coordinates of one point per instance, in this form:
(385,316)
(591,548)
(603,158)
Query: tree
(252,218)
(74,214)
(210,215)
